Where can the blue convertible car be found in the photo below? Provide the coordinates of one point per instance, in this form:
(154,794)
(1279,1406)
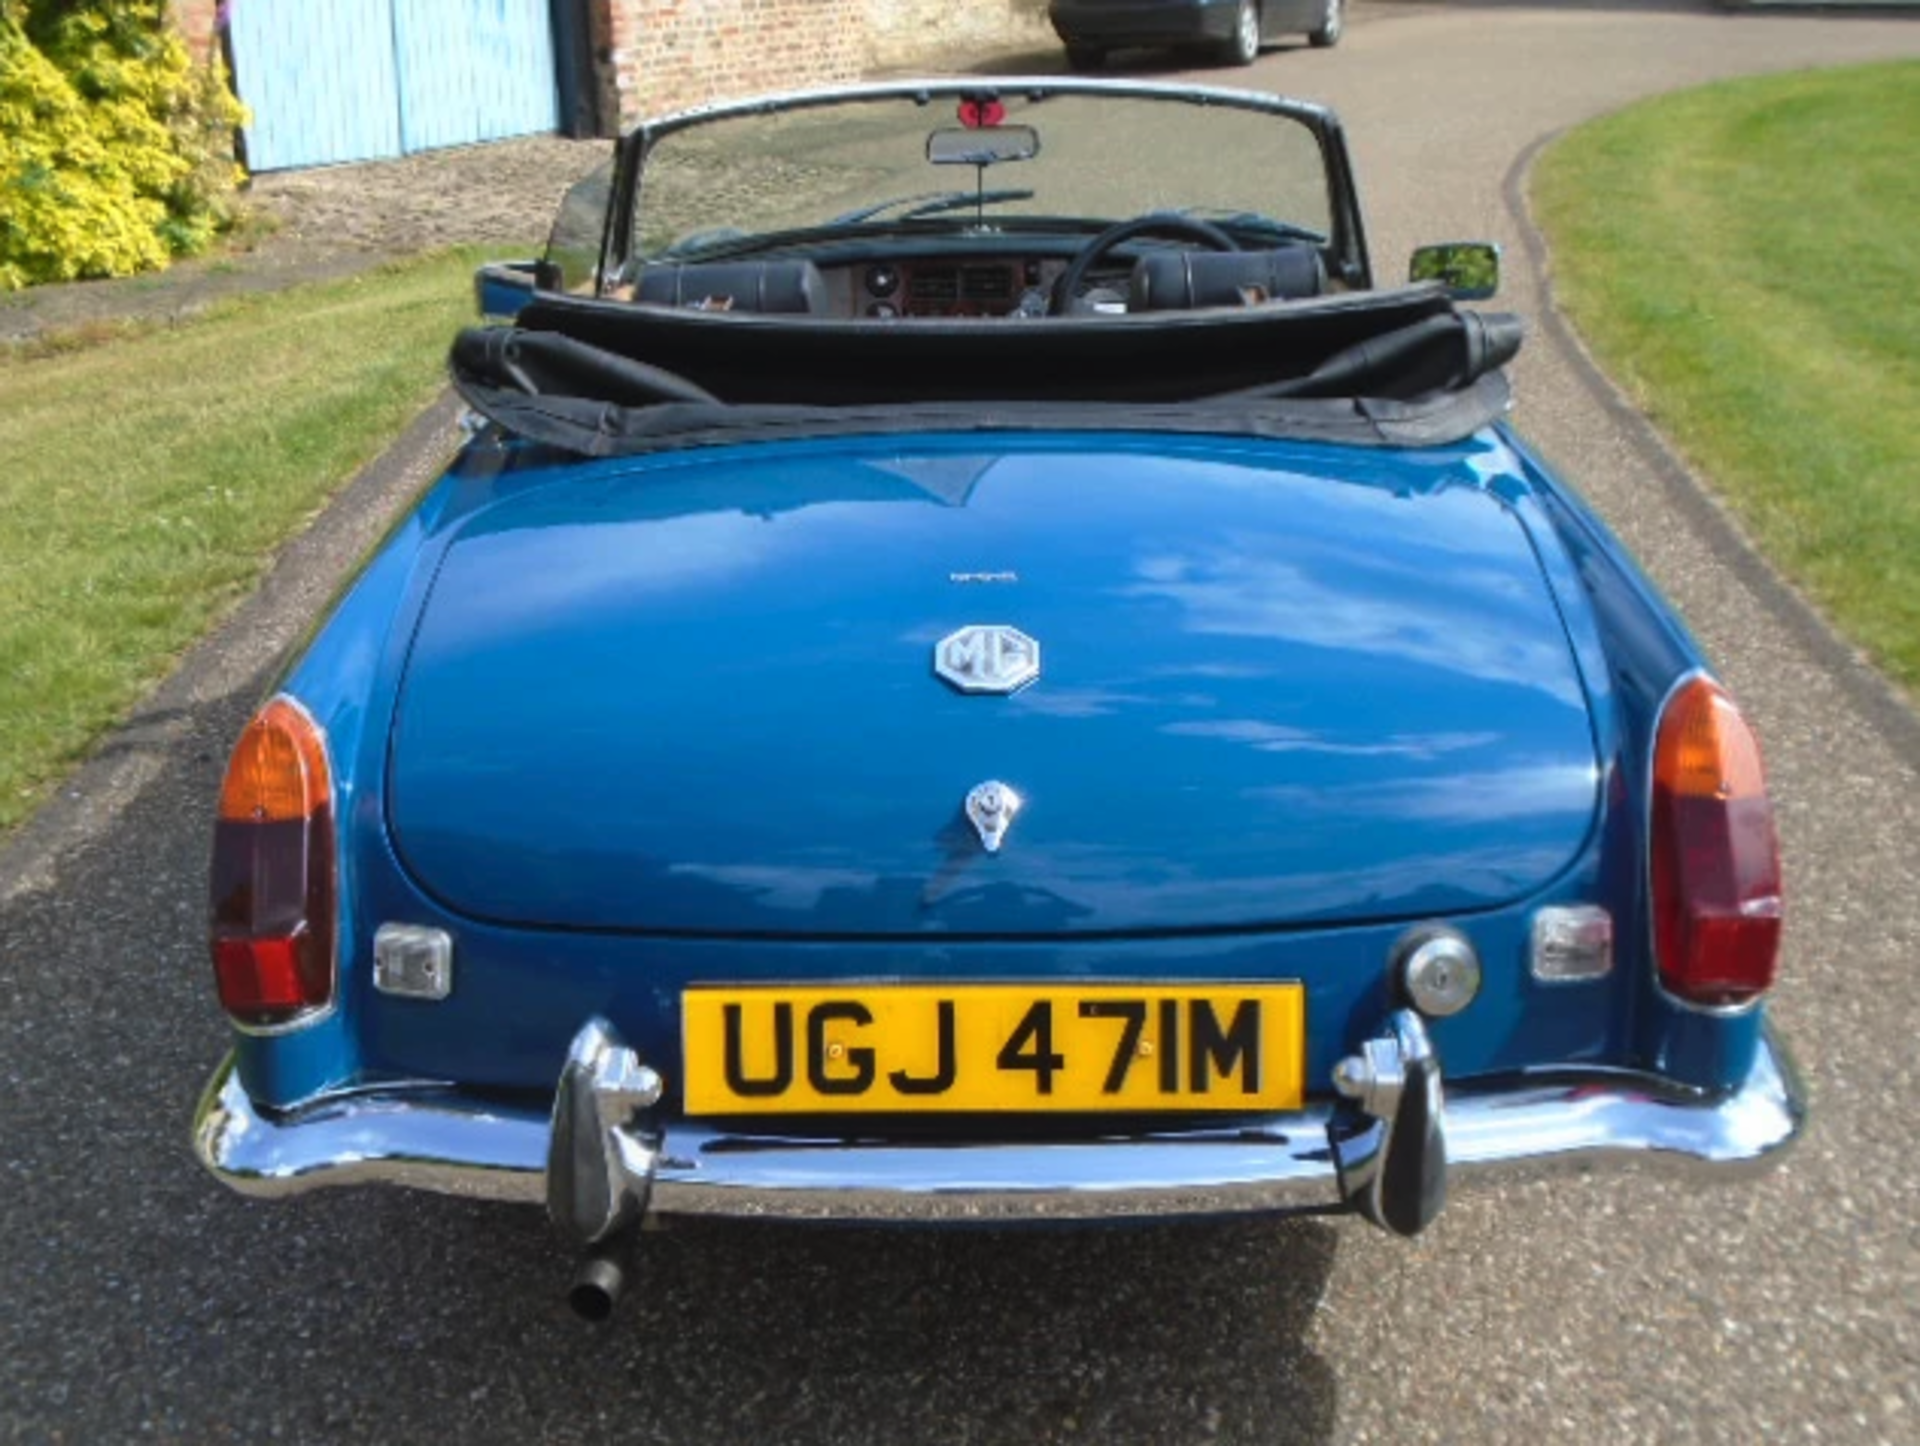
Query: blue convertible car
(974,665)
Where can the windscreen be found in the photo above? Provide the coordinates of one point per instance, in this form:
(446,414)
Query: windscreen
(865,163)
(579,227)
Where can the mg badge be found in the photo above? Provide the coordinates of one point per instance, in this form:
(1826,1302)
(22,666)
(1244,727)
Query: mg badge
(987,658)
(990,808)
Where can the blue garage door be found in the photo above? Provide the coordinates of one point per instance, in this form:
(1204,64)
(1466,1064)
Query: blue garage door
(320,80)
(355,80)
(485,78)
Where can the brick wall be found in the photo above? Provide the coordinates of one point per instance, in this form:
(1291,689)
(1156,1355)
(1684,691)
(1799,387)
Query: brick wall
(919,34)
(685,52)
(196,20)
(663,55)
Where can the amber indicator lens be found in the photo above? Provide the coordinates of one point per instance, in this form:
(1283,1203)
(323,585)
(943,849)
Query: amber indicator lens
(272,876)
(1716,858)
(278,770)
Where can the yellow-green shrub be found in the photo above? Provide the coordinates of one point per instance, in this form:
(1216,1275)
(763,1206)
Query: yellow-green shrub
(115,150)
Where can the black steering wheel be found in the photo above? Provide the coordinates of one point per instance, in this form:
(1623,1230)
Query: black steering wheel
(1067,287)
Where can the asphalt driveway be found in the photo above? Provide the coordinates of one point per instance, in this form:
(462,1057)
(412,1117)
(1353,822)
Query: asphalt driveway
(138,1301)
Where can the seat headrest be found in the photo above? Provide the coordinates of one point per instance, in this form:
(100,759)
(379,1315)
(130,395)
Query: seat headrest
(762,286)
(1182,280)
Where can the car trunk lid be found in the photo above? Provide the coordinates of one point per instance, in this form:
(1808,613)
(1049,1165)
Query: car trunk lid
(1277,685)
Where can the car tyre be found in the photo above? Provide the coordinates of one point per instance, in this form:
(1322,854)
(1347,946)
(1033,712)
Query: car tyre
(1333,20)
(1085,57)
(1244,47)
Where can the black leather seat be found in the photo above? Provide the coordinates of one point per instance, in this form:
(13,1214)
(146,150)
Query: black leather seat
(763,286)
(1182,280)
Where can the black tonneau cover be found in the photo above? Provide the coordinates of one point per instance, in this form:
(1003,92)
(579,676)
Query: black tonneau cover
(1401,368)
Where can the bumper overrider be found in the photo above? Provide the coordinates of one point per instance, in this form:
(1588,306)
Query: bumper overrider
(604,1159)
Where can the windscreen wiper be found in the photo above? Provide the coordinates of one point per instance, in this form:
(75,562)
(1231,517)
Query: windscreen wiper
(931,203)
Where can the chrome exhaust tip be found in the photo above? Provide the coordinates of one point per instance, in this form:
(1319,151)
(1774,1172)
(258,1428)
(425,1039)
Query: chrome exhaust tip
(598,1286)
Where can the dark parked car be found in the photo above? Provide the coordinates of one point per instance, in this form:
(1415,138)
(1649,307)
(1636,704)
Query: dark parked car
(1234,30)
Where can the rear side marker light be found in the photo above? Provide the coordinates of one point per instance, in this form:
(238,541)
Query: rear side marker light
(1715,867)
(412,961)
(273,893)
(1572,943)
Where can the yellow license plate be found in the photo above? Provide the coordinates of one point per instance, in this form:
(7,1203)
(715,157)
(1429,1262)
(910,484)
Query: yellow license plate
(914,1048)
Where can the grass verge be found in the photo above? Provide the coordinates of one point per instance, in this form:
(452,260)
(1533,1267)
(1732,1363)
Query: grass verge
(1741,258)
(149,478)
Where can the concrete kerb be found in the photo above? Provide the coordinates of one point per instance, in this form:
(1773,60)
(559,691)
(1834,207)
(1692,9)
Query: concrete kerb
(272,620)
(1878,698)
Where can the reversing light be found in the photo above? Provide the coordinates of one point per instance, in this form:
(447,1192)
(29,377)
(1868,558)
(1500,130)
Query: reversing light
(1571,943)
(1715,870)
(413,961)
(273,873)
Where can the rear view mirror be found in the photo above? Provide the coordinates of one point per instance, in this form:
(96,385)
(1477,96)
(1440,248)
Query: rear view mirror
(957,146)
(1470,270)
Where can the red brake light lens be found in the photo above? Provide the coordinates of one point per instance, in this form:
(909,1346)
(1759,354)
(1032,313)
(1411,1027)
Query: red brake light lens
(273,872)
(1716,857)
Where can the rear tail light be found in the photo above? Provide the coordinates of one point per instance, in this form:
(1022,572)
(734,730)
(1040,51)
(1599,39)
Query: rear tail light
(1716,859)
(273,872)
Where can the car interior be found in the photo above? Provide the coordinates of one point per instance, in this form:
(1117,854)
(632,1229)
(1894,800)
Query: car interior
(1021,284)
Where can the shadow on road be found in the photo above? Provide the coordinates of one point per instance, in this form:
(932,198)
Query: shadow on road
(757,1332)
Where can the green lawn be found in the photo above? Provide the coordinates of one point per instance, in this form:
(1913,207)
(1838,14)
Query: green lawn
(148,479)
(1745,259)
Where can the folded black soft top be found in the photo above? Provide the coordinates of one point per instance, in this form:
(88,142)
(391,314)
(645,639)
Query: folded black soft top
(1394,368)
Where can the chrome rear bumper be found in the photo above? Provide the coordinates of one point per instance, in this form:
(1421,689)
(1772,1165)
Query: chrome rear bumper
(607,1172)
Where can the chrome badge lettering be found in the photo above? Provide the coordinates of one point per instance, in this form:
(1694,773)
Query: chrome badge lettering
(987,658)
(990,809)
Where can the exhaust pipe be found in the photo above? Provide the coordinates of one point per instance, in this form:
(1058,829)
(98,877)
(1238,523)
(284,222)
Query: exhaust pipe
(601,1281)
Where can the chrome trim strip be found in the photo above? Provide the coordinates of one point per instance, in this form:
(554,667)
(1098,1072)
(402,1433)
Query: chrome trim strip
(1623,1119)
(428,1138)
(926,87)
(424,1137)
(1258,1169)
